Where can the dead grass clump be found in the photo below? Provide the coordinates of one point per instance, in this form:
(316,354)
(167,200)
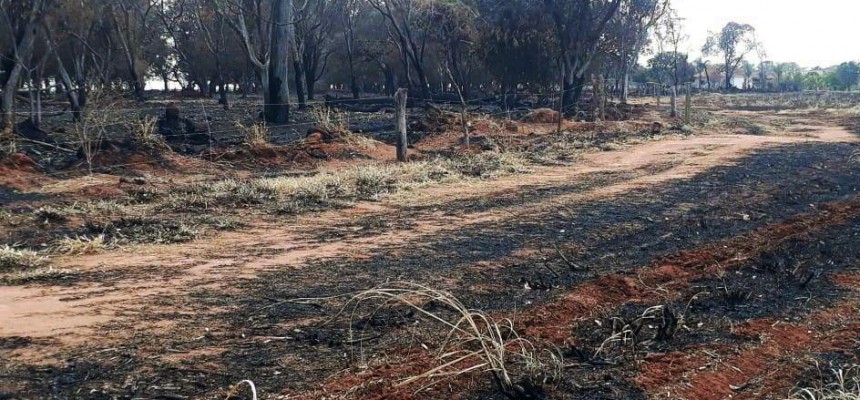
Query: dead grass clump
(371,181)
(330,120)
(332,189)
(610,146)
(98,207)
(42,274)
(242,194)
(470,341)
(14,259)
(418,174)
(757,129)
(218,222)
(49,214)
(844,385)
(79,245)
(313,191)
(488,165)
(256,135)
(138,230)
(236,387)
(144,133)
(542,116)
(657,323)
(142,195)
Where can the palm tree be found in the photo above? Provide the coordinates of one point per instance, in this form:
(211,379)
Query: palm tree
(779,70)
(702,66)
(748,70)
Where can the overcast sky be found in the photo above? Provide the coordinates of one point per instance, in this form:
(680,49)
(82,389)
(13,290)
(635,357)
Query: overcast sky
(811,33)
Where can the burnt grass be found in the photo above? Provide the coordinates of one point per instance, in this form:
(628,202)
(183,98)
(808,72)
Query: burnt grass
(597,237)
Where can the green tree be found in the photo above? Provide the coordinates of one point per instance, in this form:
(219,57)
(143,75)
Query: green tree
(814,81)
(733,43)
(846,76)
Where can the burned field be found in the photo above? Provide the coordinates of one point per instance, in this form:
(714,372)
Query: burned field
(719,264)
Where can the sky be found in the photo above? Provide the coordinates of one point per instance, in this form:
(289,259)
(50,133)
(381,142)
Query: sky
(809,32)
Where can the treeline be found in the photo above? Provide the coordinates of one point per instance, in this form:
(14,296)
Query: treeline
(288,49)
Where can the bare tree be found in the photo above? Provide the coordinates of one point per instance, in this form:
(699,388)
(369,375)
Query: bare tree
(23,23)
(635,20)
(579,26)
(351,11)
(401,16)
(131,23)
(268,58)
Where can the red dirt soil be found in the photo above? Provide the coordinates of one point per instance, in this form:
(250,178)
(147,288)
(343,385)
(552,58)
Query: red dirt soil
(764,367)
(554,321)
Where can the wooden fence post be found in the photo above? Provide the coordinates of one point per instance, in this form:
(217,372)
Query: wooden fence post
(601,84)
(400,115)
(673,112)
(688,105)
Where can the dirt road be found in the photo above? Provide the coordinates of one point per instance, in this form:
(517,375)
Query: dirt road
(186,321)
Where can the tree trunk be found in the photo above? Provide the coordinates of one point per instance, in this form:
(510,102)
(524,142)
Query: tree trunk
(310,85)
(300,81)
(277,108)
(625,84)
(708,77)
(222,95)
(573,86)
(400,99)
(673,111)
(72,93)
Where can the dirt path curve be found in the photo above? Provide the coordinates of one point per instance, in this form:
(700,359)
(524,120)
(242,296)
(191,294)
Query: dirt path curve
(139,276)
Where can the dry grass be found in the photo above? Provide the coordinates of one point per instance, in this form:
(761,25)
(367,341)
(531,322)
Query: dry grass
(41,274)
(256,135)
(97,120)
(79,245)
(845,385)
(781,101)
(331,120)
(330,189)
(758,129)
(142,230)
(49,214)
(14,259)
(235,389)
(144,132)
(473,341)
(630,333)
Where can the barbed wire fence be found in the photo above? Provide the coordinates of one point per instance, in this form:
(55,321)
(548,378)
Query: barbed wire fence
(220,138)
